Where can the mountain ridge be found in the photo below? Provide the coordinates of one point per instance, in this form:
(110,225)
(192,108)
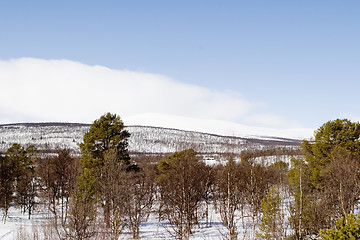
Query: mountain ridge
(49,137)
(44,124)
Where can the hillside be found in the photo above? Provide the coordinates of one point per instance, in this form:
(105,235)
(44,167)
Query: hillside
(143,140)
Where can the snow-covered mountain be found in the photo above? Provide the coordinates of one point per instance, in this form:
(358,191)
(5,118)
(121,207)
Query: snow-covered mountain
(219,127)
(143,140)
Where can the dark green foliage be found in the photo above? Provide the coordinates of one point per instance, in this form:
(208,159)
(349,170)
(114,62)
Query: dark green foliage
(326,183)
(271,225)
(27,185)
(105,157)
(17,169)
(333,134)
(7,178)
(347,228)
(304,212)
(104,134)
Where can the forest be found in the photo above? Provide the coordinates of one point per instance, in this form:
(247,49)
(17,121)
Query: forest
(104,192)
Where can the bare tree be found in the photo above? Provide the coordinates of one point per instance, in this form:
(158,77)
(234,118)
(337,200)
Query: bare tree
(112,191)
(58,178)
(229,196)
(139,198)
(182,182)
(341,185)
(258,179)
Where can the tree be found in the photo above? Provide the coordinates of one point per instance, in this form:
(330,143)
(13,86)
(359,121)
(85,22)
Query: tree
(20,164)
(271,225)
(140,190)
(341,187)
(7,178)
(107,140)
(182,183)
(112,193)
(257,180)
(333,134)
(27,185)
(83,210)
(229,196)
(326,183)
(104,134)
(304,213)
(347,227)
(58,177)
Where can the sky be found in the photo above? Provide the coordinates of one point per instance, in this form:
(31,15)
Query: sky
(274,64)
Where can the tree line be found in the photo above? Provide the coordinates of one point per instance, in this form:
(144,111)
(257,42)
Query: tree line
(104,192)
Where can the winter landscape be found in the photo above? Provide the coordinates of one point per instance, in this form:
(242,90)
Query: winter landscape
(108,181)
(50,138)
(179,120)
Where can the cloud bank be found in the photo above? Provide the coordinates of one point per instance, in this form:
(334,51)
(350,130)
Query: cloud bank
(38,90)
(63,90)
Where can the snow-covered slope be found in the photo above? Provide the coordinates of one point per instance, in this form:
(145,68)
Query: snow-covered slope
(150,140)
(223,128)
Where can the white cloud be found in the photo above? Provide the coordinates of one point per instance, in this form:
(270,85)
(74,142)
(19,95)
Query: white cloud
(269,120)
(62,90)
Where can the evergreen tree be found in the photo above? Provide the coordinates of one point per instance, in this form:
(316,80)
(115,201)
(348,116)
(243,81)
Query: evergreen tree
(18,168)
(331,135)
(105,156)
(106,133)
(7,178)
(27,185)
(347,228)
(271,225)
(326,183)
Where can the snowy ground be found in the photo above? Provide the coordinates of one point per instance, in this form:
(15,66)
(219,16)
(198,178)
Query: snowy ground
(18,226)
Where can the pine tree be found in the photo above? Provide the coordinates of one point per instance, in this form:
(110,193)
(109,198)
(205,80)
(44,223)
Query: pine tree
(271,226)
(106,133)
(17,175)
(7,178)
(347,228)
(107,140)
(326,182)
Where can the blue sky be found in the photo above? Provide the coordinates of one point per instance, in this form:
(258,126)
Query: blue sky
(293,63)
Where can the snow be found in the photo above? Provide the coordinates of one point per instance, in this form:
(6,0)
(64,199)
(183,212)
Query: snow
(219,127)
(18,226)
(150,140)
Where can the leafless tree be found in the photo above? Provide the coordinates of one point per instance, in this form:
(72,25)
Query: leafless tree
(139,197)
(341,185)
(229,196)
(58,179)
(112,193)
(182,182)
